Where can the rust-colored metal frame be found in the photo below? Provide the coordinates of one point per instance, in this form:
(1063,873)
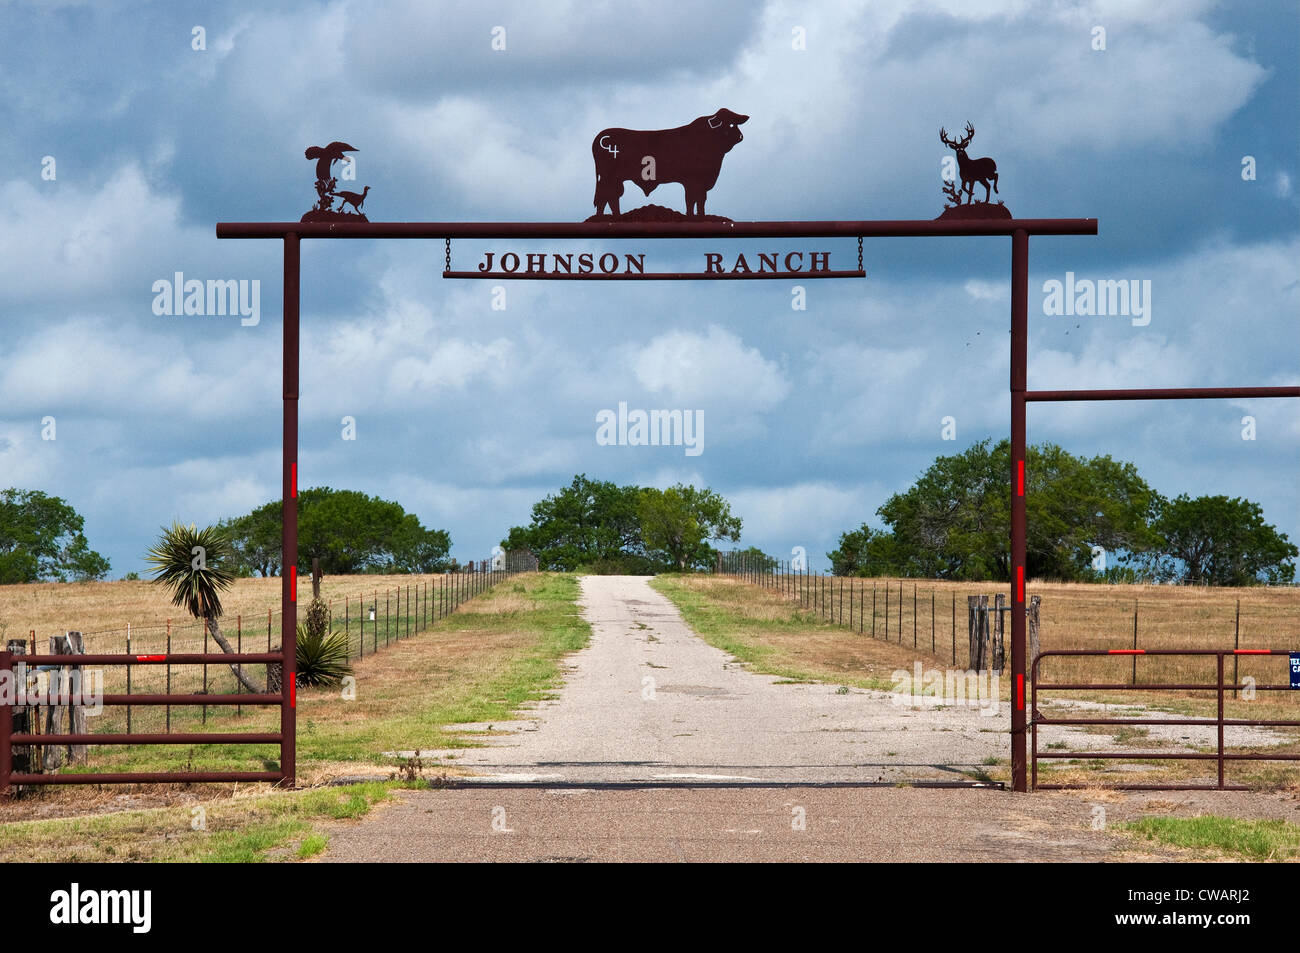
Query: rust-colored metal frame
(1019,230)
(1221,756)
(8,738)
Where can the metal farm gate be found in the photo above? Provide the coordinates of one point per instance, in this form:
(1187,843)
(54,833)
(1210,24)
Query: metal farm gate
(684,155)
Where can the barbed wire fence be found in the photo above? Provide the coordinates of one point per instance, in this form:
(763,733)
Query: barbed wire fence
(969,630)
(369,619)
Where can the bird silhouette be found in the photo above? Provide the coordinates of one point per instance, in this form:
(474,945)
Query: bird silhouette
(328,155)
(352,198)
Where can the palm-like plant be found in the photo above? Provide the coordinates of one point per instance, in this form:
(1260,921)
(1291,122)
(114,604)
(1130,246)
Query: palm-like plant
(322,656)
(187,561)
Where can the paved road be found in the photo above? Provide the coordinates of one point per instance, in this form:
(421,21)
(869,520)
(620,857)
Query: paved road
(649,700)
(740,751)
(745,824)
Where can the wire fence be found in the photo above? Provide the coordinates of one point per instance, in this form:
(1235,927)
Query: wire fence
(933,617)
(371,620)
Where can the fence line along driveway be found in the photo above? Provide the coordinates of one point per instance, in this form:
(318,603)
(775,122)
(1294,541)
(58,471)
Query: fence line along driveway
(648,700)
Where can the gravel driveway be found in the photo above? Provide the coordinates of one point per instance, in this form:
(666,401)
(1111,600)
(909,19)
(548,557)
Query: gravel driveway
(649,700)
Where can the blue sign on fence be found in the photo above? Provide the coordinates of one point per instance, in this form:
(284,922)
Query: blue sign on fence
(1295,669)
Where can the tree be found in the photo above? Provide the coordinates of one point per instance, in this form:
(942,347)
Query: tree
(255,540)
(1075,504)
(414,549)
(955,520)
(348,531)
(681,519)
(868,552)
(1217,541)
(41,537)
(587,523)
(190,564)
(750,559)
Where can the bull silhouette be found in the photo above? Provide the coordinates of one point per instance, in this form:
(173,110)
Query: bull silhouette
(690,154)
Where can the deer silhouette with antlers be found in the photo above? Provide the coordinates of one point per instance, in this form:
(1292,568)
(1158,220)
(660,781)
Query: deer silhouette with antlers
(971,170)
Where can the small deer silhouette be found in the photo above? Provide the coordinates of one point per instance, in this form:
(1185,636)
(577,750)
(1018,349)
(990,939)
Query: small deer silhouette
(972,170)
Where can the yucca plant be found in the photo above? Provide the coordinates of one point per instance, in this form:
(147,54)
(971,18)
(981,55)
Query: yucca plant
(322,657)
(188,562)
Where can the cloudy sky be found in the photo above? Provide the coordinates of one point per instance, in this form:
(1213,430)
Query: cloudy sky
(124,145)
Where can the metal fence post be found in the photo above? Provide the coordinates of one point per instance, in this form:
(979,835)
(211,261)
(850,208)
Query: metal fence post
(6,726)
(289,521)
(128,677)
(1018,387)
(1236,644)
(1135,642)
(1220,658)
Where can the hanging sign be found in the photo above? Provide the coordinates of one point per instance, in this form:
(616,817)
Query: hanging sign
(607,266)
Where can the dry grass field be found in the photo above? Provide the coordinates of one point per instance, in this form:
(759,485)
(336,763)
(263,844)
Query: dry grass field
(931,616)
(911,620)
(793,636)
(497,652)
(102,610)
(108,613)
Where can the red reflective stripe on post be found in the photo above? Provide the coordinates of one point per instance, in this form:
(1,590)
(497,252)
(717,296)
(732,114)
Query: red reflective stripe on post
(293,693)
(1020,583)
(1020,692)
(150,658)
(293,480)
(1126,651)
(293,583)
(1020,483)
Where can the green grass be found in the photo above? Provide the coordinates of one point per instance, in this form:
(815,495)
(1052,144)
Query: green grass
(482,664)
(1249,839)
(499,652)
(278,826)
(757,634)
(312,845)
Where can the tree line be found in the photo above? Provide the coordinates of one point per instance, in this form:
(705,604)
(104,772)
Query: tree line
(1090,520)
(598,526)
(42,538)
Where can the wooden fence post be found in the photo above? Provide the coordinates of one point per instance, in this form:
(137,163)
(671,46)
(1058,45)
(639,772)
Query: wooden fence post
(66,681)
(1032,609)
(77,713)
(22,757)
(997,656)
(977,625)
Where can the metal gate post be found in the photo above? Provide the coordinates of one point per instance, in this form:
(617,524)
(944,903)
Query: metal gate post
(1019,360)
(289,522)
(7,721)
